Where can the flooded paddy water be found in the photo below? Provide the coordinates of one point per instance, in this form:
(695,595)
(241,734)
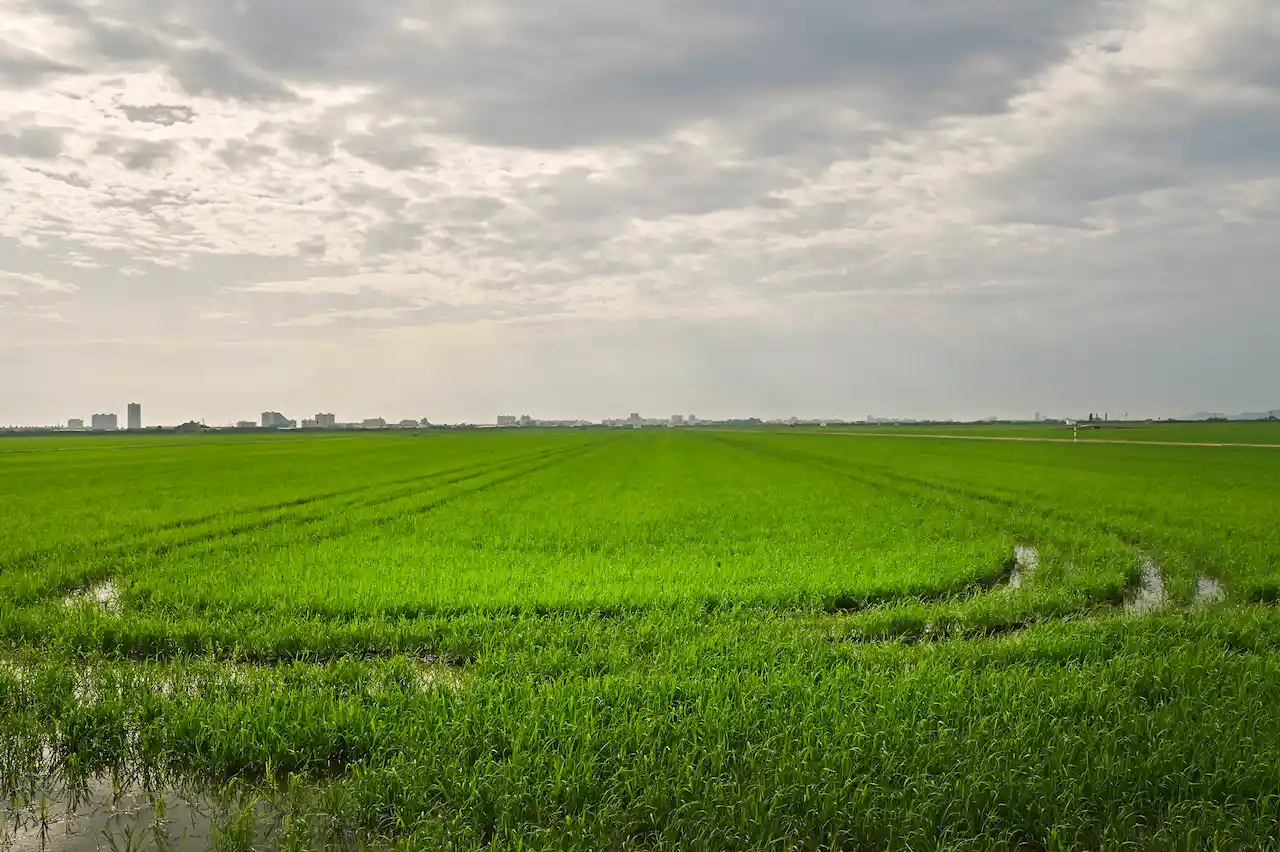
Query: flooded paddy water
(1149,596)
(99,817)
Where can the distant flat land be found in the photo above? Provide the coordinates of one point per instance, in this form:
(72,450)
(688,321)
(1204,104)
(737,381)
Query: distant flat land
(69,441)
(1263,432)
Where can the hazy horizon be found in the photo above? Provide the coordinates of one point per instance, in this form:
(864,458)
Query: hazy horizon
(455,210)
(393,420)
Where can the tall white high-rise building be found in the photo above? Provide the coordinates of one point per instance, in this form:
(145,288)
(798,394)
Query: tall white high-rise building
(103,423)
(276,420)
(135,416)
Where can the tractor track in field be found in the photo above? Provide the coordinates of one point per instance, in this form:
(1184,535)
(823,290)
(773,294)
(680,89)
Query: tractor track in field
(1137,595)
(219,539)
(262,516)
(542,461)
(487,464)
(904,484)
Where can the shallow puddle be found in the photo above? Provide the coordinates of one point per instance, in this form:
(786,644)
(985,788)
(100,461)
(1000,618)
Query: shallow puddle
(105,596)
(437,674)
(91,684)
(1208,590)
(98,818)
(1150,594)
(1026,558)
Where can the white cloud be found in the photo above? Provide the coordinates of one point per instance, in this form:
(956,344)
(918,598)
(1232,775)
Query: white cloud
(327,170)
(34,281)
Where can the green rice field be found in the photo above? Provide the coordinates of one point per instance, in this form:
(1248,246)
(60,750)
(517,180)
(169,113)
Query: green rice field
(1265,432)
(638,640)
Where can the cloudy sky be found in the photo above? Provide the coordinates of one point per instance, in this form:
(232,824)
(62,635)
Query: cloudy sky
(458,208)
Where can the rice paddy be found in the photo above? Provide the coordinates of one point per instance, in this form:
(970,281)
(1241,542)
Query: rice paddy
(653,639)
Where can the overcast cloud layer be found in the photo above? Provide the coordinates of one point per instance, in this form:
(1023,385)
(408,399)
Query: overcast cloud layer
(459,208)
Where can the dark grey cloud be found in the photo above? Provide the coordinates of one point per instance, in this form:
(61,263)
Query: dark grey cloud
(394,238)
(313,143)
(20,68)
(37,143)
(393,149)
(312,247)
(1167,141)
(680,181)
(558,80)
(300,38)
(562,73)
(106,37)
(475,208)
(1248,53)
(122,43)
(381,201)
(206,71)
(74,179)
(165,114)
(1230,140)
(237,153)
(150,201)
(137,154)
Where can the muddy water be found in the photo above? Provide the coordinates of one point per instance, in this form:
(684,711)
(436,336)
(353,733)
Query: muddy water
(97,819)
(1150,594)
(1025,560)
(1208,590)
(104,596)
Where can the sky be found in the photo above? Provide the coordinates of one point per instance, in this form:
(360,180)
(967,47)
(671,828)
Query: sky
(454,209)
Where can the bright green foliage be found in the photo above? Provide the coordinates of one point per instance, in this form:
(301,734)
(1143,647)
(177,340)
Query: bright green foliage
(652,640)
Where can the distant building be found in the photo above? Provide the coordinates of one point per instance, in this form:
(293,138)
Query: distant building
(309,423)
(104,423)
(276,420)
(507,420)
(374,423)
(692,420)
(75,423)
(135,416)
(327,421)
(246,424)
(408,424)
(191,427)
(677,420)
(526,420)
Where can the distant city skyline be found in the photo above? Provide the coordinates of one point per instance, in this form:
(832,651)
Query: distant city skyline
(163,411)
(108,421)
